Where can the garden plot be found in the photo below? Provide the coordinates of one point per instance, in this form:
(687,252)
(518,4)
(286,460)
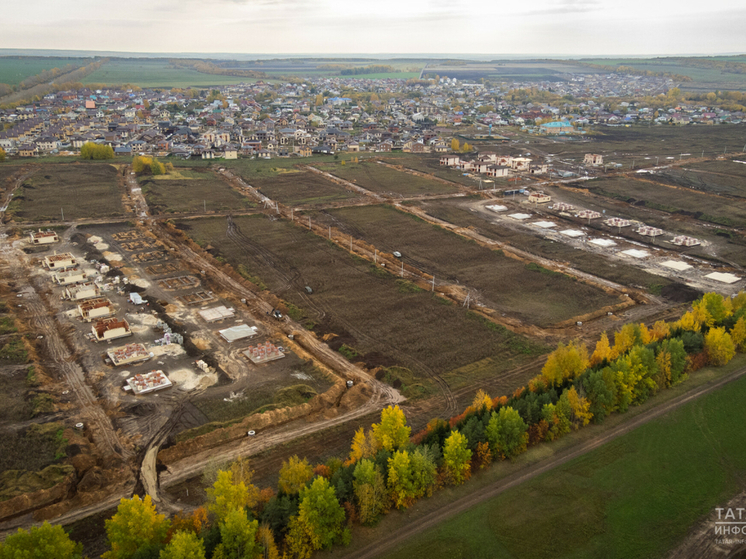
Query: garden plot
(302,188)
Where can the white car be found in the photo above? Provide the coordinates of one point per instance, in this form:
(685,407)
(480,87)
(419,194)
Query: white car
(397,254)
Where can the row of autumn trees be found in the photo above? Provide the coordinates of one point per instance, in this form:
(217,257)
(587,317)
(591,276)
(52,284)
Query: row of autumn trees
(315,507)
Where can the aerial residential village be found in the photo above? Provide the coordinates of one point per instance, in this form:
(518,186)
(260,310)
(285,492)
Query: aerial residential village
(300,119)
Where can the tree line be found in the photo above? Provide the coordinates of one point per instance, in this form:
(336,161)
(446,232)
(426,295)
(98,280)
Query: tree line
(315,507)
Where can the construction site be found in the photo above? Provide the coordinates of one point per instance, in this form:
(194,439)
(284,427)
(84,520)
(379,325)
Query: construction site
(326,292)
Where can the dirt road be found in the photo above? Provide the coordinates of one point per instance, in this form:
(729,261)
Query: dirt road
(391,541)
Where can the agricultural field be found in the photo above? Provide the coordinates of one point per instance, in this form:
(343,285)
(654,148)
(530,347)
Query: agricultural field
(530,293)
(80,190)
(191,191)
(368,314)
(505,70)
(13,70)
(385,180)
(647,191)
(703,79)
(155,73)
(637,496)
(459,213)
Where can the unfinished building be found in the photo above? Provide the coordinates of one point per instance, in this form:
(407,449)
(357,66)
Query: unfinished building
(92,309)
(44,237)
(148,382)
(128,354)
(263,353)
(60,261)
(109,329)
(82,291)
(69,277)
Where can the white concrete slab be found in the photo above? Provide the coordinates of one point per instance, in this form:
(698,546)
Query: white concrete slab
(723,278)
(636,253)
(520,217)
(572,233)
(545,224)
(676,265)
(603,242)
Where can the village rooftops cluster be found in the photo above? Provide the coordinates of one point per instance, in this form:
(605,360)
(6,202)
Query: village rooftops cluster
(317,116)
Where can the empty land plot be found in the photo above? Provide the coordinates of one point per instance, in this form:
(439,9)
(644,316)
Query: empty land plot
(627,145)
(667,199)
(529,292)
(385,180)
(431,165)
(376,318)
(719,177)
(302,188)
(459,213)
(83,190)
(192,195)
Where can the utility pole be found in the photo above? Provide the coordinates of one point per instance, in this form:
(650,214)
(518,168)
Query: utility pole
(433,288)
(204,205)
(309,222)
(375,256)
(330,232)
(63,214)
(402,269)
(291,213)
(350,243)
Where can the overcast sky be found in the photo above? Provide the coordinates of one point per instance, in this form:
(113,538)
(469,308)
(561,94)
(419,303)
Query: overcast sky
(559,27)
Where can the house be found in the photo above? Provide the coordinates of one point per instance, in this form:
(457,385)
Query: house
(556,127)
(43,237)
(230,153)
(92,309)
(520,163)
(28,150)
(498,171)
(539,198)
(110,329)
(208,154)
(593,159)
(60,261)
(449,160)
(538,169)
(304,151)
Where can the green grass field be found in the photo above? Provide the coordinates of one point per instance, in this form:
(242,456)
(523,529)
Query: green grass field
(156,73)
(14,70)
(637,496)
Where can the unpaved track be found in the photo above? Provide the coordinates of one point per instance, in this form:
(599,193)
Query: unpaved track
(390,541)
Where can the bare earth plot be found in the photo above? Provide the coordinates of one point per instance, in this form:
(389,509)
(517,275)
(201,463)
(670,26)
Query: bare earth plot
(459,213)
(707,208)
(533,294)
(79,190)
(385,180)
(371,315)
(634,144)
(302,188)
(717,177)
(430,164)
(195,192)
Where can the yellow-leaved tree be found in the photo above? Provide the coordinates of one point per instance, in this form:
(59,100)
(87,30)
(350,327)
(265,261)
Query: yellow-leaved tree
(719,346)
(565,362)
(738,335)
(392,432)
(294,475)
(602,351)
(136,524)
